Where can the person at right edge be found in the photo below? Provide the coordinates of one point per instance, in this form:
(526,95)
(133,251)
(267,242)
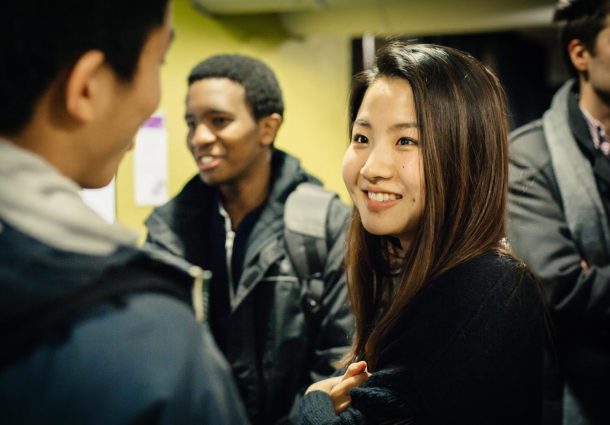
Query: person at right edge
(558,216)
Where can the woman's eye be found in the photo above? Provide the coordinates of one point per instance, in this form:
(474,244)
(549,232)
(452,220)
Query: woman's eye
(359,138)
(406,141)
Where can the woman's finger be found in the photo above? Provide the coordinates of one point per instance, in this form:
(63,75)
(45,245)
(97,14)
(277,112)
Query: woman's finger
(354,369)
(342,407)
(348,383)
(340,392)
(325,385)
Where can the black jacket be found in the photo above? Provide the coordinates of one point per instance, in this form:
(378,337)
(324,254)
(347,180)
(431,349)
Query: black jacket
(139,358)
(274,347)
(468,350)
(540,233)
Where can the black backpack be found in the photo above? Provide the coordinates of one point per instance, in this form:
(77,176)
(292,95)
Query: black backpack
(305,216)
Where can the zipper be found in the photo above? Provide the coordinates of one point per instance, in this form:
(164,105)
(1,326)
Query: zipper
(199,292)
(229,240)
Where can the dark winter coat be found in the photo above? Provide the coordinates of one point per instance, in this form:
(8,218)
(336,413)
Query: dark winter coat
(275,347)
(138,357)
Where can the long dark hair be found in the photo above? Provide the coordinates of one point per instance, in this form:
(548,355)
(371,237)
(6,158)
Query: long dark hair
(463,133)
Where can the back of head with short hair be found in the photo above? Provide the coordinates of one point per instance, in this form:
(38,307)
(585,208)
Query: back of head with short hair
(41,40)
(582,20)
(263,93)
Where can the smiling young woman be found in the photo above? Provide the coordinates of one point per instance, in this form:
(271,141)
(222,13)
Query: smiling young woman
(449,324)
(382,168)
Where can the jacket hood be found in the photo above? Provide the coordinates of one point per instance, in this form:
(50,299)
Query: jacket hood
(51,242)
(40,202)
(286,175)
(196,197)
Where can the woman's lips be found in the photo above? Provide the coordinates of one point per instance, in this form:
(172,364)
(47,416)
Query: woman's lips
(379,201)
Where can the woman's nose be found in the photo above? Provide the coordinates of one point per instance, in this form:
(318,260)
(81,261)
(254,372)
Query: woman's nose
(379,165)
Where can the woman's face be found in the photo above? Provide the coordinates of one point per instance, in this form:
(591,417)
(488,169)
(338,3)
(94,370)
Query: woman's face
(383,168)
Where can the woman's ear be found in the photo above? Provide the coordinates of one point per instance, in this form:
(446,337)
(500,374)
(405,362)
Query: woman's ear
(268,128)
(83,85)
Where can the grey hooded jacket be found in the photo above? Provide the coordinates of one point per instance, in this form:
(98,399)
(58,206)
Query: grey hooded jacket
(139,358)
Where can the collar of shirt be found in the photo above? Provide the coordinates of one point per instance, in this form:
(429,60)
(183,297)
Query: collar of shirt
(598,132)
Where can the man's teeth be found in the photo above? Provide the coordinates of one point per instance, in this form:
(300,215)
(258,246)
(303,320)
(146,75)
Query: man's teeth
(207,159)
(381,197)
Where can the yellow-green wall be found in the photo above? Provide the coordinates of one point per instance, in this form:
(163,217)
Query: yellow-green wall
(313,68)
(313,72)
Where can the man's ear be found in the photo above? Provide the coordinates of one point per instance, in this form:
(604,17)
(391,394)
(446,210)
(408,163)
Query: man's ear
(268,128)
(83,84)
(579,55)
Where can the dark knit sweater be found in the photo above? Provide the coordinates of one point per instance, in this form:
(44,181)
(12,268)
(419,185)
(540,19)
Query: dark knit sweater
(468,350)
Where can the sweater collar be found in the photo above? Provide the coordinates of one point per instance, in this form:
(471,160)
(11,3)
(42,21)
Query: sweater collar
(42,203)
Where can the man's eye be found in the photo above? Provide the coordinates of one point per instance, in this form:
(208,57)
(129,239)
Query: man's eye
(219,121)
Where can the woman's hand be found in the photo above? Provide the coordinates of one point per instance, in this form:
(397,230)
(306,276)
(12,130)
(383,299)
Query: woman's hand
(354,376)
(338,387)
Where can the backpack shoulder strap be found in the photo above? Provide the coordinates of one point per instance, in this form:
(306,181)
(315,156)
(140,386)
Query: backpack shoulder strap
(22,334)
(305,216)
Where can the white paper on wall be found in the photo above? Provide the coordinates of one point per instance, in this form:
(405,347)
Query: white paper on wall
(102,201)
(150,163)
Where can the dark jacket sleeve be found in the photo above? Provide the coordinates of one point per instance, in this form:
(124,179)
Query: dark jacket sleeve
(173,368)
(539,233)
(385,397)
(316,408)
